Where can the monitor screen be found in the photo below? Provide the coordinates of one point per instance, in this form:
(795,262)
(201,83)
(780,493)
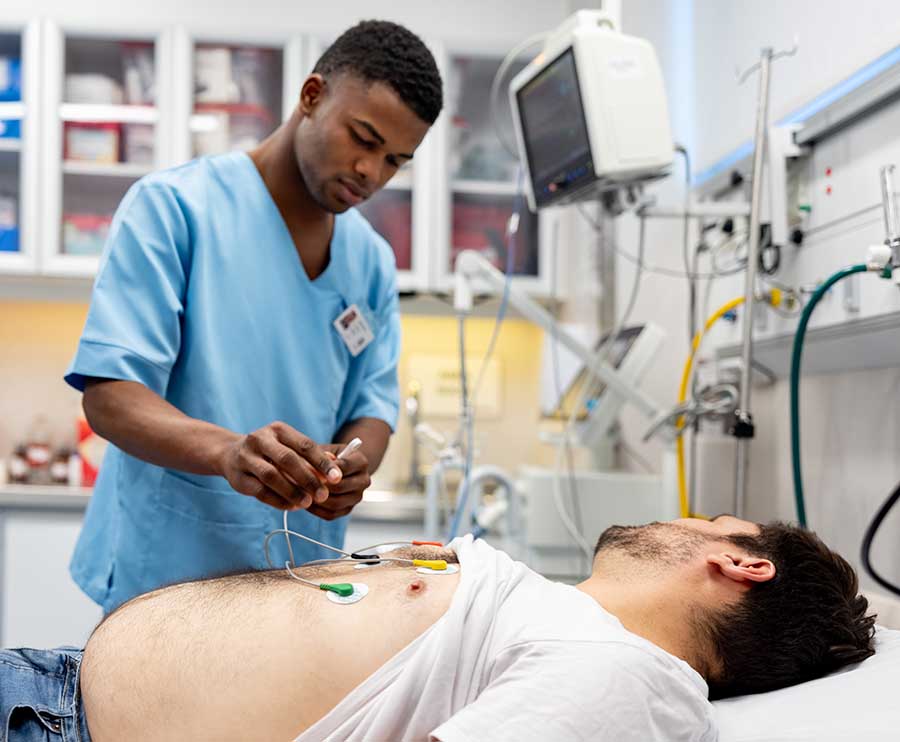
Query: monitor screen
(614,357)
(554,130)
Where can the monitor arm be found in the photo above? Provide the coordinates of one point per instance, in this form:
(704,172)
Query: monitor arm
(470,266)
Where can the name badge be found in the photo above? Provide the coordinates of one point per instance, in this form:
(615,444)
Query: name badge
(354,330)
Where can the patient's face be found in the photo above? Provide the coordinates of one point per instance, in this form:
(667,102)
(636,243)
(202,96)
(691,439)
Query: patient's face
(670,542)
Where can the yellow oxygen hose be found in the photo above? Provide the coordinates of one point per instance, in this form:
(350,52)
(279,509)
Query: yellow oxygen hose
(682,396)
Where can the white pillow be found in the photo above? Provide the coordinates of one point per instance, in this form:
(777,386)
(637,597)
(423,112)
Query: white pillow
(861,703)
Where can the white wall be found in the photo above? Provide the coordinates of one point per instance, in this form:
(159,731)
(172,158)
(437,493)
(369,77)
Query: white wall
(850,421)
(464,19)
(835,39)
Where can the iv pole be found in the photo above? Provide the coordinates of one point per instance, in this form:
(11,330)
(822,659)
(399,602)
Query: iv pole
(742,427)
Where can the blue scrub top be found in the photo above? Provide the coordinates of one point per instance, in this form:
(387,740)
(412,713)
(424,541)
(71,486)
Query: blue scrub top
(201,296)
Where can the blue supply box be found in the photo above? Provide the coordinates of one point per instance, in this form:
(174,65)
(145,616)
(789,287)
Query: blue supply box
(9,227)
(10,129)
(10,79)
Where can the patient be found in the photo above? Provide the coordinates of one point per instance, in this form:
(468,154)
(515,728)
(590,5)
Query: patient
(672,612)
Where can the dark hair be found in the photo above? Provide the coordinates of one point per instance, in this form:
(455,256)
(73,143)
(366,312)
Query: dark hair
(381,51)
(805,622)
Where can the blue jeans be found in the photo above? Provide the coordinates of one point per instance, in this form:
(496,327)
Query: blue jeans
(40,699)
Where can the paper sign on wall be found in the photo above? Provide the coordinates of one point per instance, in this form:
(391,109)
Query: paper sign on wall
(441,391)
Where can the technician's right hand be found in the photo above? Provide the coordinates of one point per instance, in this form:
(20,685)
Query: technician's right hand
(280,467)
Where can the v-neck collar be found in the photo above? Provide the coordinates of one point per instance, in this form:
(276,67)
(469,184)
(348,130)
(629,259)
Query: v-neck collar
(326,279)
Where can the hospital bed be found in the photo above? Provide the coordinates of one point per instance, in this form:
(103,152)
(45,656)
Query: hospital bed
(857,704)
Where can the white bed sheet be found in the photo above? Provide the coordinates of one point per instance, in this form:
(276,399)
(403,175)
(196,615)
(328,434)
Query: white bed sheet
(859,704)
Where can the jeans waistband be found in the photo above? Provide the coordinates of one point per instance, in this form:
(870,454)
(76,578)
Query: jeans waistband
(73,691)
(48,683)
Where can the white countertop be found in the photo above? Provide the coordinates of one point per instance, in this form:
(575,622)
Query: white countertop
(44,496)
(376,506)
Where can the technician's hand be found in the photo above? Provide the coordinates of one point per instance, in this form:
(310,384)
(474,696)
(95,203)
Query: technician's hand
(280,467)
(345,494)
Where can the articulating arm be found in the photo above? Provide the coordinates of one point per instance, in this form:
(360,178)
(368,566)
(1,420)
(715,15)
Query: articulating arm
(470,265)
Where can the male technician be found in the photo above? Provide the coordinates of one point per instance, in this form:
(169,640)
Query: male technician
(244,324)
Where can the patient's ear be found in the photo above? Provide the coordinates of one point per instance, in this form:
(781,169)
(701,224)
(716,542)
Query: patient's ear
(741,567)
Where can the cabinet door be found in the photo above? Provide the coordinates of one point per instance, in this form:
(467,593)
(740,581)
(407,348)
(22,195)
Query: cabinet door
(230,91)
(104,132)
(391,212)
(18,148)
(237,95)
(484,182)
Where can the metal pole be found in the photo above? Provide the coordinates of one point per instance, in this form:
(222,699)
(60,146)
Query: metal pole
(743,421)
(891,219)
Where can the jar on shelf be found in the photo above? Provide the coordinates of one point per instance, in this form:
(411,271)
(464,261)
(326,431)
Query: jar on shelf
(60,466)
(17,467)
(37,452)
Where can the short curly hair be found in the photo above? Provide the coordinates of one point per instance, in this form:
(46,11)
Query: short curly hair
(381,51)
(804,623)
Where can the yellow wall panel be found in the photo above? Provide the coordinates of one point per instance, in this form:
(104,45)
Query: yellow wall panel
(38,340)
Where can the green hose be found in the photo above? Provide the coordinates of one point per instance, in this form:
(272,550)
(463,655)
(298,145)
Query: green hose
(795,382)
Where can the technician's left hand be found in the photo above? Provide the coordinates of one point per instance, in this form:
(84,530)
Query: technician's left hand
(346,494)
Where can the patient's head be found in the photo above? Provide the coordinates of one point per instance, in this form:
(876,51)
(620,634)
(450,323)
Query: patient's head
(769,605)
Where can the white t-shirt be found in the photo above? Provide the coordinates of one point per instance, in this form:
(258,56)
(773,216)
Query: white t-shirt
(518,657)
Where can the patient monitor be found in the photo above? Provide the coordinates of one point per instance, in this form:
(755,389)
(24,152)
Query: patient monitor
(590,113)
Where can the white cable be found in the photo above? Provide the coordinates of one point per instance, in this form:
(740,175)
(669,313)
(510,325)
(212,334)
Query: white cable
(571,527)
(634,454)
(671,273)
(731,242)
(706,297)
(444,496)
(508,60)
(466,435)
(512,246)
(348,557)
(287,537)
(603,354)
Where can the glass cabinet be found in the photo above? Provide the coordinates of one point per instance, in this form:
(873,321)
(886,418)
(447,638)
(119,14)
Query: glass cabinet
(85,113)
(18,147)
(237,96)
(484,183)
(11,113)
(390,213)
(107,133)
(484,178)
(396,213)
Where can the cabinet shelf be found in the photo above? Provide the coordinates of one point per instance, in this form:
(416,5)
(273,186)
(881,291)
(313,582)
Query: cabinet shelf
(111,170)
(484,187)
(12,110)
(237,109)
(856,345)
(98,112)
